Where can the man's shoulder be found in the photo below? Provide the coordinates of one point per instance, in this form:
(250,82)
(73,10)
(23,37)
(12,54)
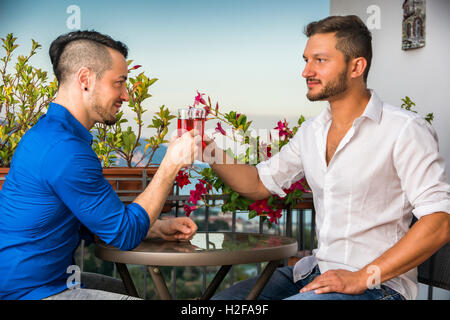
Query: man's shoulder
(399,113)
(399,121)
(49,134)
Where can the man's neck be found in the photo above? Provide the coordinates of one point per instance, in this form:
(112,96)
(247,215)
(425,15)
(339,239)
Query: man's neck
(348,107)
(73,105)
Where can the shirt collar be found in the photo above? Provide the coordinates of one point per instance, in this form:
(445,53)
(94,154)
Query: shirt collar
(372,111)
(60,112)
(374,108)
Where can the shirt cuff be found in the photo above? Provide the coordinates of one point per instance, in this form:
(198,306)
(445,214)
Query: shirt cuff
(423,210)
(267,180)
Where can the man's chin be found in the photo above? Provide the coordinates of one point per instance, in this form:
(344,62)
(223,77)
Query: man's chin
(316,97)
(110,122)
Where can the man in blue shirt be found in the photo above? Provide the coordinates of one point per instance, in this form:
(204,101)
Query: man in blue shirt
(55,184)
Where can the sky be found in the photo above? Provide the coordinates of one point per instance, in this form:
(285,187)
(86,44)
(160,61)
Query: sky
(246,55)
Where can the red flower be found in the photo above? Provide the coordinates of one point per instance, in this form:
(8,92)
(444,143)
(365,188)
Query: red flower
(265,151)
(283,129)
(260,206)
(136,67)
(220,129)
(189,209)
(199,99)
(274,216)
(194,196)
(182,179)
(197,194)
(208,185)
(299,185)
(200,187)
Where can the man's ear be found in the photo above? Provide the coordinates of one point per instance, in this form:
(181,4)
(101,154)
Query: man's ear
(358,66)
(84,79)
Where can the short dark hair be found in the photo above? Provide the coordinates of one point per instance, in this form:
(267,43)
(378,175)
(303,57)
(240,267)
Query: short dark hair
(354,39)
(76,49)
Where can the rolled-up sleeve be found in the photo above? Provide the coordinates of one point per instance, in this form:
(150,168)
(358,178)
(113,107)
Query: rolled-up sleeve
(282,169)
(73,171)
(421,168)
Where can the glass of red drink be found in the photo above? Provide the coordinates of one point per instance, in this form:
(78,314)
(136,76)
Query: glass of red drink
(185,122)
(198,116)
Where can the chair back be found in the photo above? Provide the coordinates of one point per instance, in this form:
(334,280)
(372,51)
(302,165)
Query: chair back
(435,271)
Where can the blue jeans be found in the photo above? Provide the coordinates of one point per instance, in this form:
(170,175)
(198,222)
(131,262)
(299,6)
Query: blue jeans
(281,286)
(97,287)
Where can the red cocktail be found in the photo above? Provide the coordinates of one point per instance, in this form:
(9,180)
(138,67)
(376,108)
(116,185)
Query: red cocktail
(198,117)
(185,122)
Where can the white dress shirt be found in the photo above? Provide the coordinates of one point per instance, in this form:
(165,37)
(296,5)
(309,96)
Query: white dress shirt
(386,168)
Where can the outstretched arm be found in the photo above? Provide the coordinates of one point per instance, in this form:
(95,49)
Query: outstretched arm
(242,178)
(180,153)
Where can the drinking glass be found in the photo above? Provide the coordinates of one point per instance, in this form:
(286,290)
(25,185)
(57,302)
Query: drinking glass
(184,121)
(198,118)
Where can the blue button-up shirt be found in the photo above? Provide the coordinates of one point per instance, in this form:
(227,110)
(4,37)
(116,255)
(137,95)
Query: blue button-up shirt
(55,185)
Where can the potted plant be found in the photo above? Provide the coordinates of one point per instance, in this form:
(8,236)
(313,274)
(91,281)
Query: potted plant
(25,94)
(24,97)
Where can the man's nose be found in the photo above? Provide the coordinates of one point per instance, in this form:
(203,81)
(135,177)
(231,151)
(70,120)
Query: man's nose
(124,95)
(307,71)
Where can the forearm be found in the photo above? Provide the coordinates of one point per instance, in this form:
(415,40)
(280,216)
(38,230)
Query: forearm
(243,179)
(154,232)
(155,195)
(424,238)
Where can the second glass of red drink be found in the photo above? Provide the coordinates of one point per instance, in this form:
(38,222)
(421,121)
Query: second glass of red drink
(198,117)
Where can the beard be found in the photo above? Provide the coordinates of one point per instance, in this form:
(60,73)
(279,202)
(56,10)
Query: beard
(105,114)
(332,88)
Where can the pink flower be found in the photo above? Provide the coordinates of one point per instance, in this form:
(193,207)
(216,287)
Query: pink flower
(283,129)
(188,209)
(199,99)
(182,179)
(274,216)
(207,109)
(220,129)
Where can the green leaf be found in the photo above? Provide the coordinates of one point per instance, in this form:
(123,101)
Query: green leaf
(252,214)
(128,139)
(234,196)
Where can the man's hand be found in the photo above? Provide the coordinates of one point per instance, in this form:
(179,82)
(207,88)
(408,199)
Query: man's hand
(342,281)
(181,228)
(183,150)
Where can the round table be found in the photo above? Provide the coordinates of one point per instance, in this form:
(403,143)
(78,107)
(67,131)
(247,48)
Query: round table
(205,249)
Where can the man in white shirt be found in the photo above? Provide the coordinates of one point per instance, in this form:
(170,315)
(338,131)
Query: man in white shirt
(370,166)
